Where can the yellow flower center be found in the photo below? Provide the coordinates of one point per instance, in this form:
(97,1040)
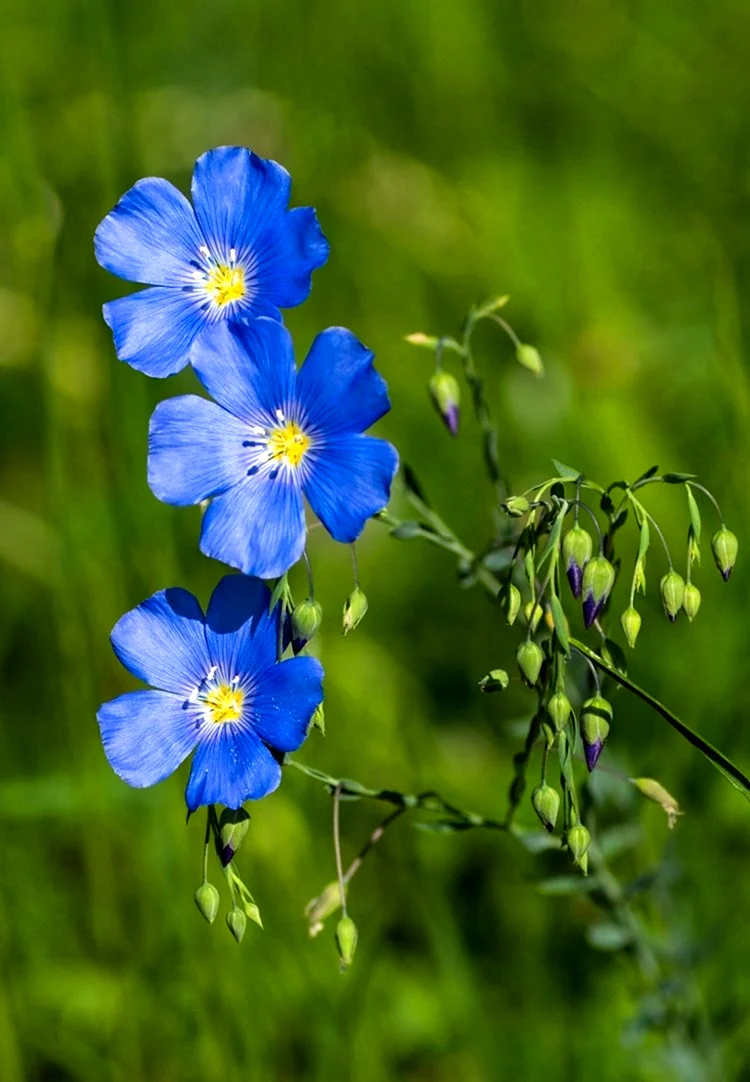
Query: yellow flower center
(225,284)
(224,703)
(288,443)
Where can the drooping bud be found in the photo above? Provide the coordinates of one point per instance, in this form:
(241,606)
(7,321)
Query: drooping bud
(346,941)
(529,357)
(530,658)
(236,923)
(546,803)
(596,715)
(559,709)
(631,625)
(672,589)
(516,506)
(207,899)
(306,618)
(578,839)
(319,909)
(446,395)
(692,601)
(655,791)
(233,826)
(354,609)
(724,547)
(598,580)
(497,680)
(576,550)
(533,613)
(512,604)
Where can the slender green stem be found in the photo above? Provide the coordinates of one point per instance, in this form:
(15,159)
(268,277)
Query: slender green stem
(355,566)
(507,328)
(207,843)
(704,490)
(337,847)
(310,582)
(372,841)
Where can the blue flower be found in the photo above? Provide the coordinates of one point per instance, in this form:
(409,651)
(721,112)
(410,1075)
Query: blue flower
(276,436)
(236,254)
(221,693)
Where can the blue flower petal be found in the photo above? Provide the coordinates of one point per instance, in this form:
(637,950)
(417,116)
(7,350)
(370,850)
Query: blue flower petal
(257,526)
(348,480)
(249,370)
(151,236)
(231,765)
(284,700)
(154,329)
(147,734)
(285,257)
(195,450)
(241,634)
(338,387)
(163,641)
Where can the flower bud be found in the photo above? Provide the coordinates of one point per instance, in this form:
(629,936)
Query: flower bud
(546,803)
(516,506)
(512,604)
(232,830)
(529,358)
(497,680)
(631,625)
(306,618)
(598,580)
(236,923)
(559,709)
(533,613)
(578,839)
(672,588)
(530,658)
(346,941)
(596,714)
(446,395)
(691,601)
(207,899)
(319,909)
(724,547)
(576,551)
(354,609)
(655,791)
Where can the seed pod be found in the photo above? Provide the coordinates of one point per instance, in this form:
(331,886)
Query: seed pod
(496,680)
(546,804)
(724,547)
(533,613)
(306,618)
(672,589)
(446,395)
(691,601)
(631,625)
(346,941)
(355,608)
(512,604)
(596,715)
(576,553)
(207,899)
(559,709)
(598,580)
(529,357)
(233,827)
(530,658)
(578,839)
(236,923)
(516,506)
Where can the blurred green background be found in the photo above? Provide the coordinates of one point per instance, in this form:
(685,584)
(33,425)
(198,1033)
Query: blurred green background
(591,159)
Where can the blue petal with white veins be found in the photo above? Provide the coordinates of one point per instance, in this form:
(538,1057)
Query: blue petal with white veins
(348,480)
(231,765)
(284,699)
(154,329)
(241,633)
(163,641)
(148,734)
(338,387)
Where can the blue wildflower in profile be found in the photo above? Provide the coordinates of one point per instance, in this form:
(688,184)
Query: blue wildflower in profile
(236,254)
(220,692)
(276,436)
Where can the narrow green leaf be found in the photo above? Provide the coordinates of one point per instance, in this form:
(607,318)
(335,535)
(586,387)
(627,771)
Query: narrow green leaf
(405,531)
(645,476)
(695,515)
(678,478)
(565,471)
(645,538)
(561,624)
(561,885)
(489,307)
(280,590)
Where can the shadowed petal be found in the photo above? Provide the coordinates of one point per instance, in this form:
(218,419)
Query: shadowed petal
(147,734)
(163,641)
(348,480)
(284,701)
(337,387)
(240,632)
(231,765)
(154,329)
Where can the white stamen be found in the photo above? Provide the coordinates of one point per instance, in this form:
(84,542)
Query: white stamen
(212,672)
(193,696)
(232,255)
(256,430)
(280,415)
(204,251)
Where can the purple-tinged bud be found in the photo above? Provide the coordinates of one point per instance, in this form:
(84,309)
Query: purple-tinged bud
(512,604)
(559,709)
(516,506)
(236,923)
(306,619)
(692,601)
(233,826)
(724,547)
(672,589)
(530,658)
(446,396)
(576,553)
(631,625)
(546,804)
(346,941)
(207,899)
(578,840)
(596,715)
(598,580)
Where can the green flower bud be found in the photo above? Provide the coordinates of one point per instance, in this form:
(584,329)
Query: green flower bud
(236,923)
(533,613)
(724,547)
(319,909)
(672,588)
(516,506)
(576,553)
(655,791)
(512,604)
(559,709)
(596,714)
(306,618)
(529,358)
(354,609)
(346,941)
(207,899)
(631,625)
(530,658)
(446,395)
(691,601)
(318,720)
(578,839)
(546,803)
(497,680)
(598,580)
(233,826)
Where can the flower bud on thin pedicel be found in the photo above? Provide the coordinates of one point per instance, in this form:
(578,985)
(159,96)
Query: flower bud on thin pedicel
(346,941)
(236,923)
(355,608)
(516,506)
(655,791)
(577,547)
(232,830)
(691,601)
(319,909)
(559,709)
(496,680)
(578,839)
(546,804)
(672,589)
(598,580)
(306,618)
(596,715)
(529,357)
(446,395)
(207,899)
(530,658)
(533,613)
(631,625)
(724,547)
(512,604)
